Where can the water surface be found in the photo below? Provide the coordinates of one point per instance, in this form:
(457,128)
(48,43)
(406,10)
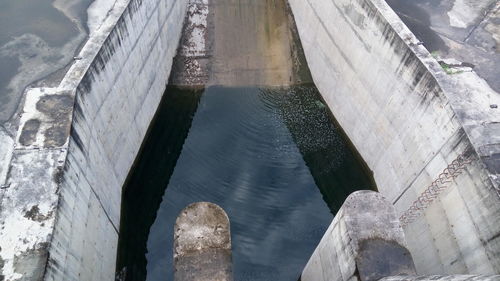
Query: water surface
(272,158)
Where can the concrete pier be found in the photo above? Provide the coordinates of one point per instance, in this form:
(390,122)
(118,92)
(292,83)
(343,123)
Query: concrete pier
(364,242)
(202,244)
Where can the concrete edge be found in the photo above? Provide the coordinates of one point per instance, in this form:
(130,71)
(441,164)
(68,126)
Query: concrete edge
(469,95)
(365,241)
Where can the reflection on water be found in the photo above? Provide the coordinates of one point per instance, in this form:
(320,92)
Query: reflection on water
(272,158)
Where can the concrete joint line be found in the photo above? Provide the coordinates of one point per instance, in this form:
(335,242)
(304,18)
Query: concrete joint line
(442,182)
(409,186)
(490,11)
(101,205)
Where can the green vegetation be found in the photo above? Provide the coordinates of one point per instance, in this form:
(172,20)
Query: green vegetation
(435,54)
(448,69)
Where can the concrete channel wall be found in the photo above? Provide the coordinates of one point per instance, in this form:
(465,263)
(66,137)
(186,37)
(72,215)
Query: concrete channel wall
(364,242)
(431,139)
(61,197)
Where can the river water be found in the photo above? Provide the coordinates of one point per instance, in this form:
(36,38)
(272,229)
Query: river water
(272,158)
(255,137)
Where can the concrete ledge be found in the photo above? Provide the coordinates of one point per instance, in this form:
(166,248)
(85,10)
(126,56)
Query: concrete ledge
(364,242)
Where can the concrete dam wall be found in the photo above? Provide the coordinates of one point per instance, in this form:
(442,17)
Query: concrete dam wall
(77,142)
(430,138)
(115,103)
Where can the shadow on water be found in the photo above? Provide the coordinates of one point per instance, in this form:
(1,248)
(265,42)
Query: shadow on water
(273,158)
(331,158)
(143,191)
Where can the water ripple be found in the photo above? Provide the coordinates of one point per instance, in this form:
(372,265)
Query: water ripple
(276,163)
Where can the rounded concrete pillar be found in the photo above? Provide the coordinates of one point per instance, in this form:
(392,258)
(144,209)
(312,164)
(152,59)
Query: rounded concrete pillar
(202,244)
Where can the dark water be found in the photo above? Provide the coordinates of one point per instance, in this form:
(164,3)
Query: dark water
(272,158)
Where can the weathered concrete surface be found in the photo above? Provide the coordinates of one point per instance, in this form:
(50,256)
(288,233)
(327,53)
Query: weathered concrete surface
(239,43)
(64,169)
(29,197)
(410,121)
(192,62)
(364,242)
(244,48)
(202,244)
(5,155)
(443,278)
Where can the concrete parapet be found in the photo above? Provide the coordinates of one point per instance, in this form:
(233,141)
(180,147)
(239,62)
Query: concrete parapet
(443,278)
(364,242)
(202,244)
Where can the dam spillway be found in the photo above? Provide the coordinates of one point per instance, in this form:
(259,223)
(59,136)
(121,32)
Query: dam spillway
(247,131)
(63,170)
(243,153)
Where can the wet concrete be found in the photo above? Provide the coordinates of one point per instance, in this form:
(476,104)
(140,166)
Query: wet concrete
(28,135)
(364,242)
(253,43)
(418,20)
(46,122)
(379,258)
(239,43)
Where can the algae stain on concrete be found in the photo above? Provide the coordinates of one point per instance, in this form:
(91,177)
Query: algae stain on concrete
(2,277)
(30,130)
